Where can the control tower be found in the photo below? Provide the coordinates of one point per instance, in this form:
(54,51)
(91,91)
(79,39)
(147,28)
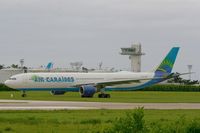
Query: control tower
(135,53)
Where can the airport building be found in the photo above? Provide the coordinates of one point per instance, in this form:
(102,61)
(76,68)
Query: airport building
(135,53)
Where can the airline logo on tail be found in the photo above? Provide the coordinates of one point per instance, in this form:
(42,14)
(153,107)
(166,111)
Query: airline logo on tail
(165,68)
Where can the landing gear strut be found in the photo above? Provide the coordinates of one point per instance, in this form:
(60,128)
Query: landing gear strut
(24,94)
(103,95)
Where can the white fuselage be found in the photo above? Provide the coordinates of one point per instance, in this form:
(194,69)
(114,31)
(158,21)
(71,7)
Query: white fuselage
(68,80)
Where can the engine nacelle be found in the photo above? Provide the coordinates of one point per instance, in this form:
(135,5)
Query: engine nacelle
(87,90)
(54,92)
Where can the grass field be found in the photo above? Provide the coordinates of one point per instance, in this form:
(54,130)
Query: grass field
(84,121)
(91,121)
(130,97)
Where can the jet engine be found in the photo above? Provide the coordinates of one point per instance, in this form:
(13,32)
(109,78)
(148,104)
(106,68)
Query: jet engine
(54,92)
(87,90)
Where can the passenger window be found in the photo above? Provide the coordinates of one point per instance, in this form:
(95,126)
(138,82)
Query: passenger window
(13,79)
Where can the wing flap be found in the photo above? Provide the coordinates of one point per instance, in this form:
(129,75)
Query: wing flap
(117,82)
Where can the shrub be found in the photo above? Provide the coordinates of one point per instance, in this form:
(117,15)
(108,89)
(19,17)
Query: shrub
(194,126)
(172,87)
(133,122)
(8,129)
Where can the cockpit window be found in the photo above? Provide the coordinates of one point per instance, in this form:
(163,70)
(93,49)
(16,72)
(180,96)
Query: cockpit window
(13,79)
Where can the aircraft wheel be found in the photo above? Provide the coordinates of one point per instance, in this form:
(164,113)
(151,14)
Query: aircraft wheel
(104,96)
(86,96)
(100,95)
(108,95)
(23,95)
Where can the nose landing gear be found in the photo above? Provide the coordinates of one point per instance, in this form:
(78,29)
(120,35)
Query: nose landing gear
(23,94)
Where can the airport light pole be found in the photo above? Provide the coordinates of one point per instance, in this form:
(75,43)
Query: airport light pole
(190,70)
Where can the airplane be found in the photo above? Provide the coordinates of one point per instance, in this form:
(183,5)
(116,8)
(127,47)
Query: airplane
(87,84)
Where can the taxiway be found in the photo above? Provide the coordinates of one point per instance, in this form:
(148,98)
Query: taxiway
(69,105)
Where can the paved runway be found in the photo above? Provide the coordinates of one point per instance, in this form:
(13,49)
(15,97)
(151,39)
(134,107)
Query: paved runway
(68,105)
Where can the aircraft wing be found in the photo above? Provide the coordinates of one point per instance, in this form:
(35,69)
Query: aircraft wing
(185,73)
(129,81)
(173,75)
(111,83)
(117,82)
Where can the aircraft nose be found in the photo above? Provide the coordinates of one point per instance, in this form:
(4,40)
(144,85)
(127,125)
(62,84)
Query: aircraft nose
(9,83)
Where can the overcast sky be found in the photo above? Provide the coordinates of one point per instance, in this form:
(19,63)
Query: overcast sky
(92,31)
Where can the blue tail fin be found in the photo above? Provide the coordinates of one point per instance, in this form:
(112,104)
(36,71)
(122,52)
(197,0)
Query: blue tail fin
(49,66)
(165,68)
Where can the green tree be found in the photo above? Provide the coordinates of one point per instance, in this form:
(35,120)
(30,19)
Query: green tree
(1,66)
(14,66)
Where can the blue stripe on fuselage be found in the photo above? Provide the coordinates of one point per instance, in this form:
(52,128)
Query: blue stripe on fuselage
(49,89)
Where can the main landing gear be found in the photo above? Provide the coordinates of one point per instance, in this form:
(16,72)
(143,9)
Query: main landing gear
(103,95)
(23,94)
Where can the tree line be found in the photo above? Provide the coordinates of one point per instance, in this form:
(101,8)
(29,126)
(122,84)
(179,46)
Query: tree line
(2,66)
